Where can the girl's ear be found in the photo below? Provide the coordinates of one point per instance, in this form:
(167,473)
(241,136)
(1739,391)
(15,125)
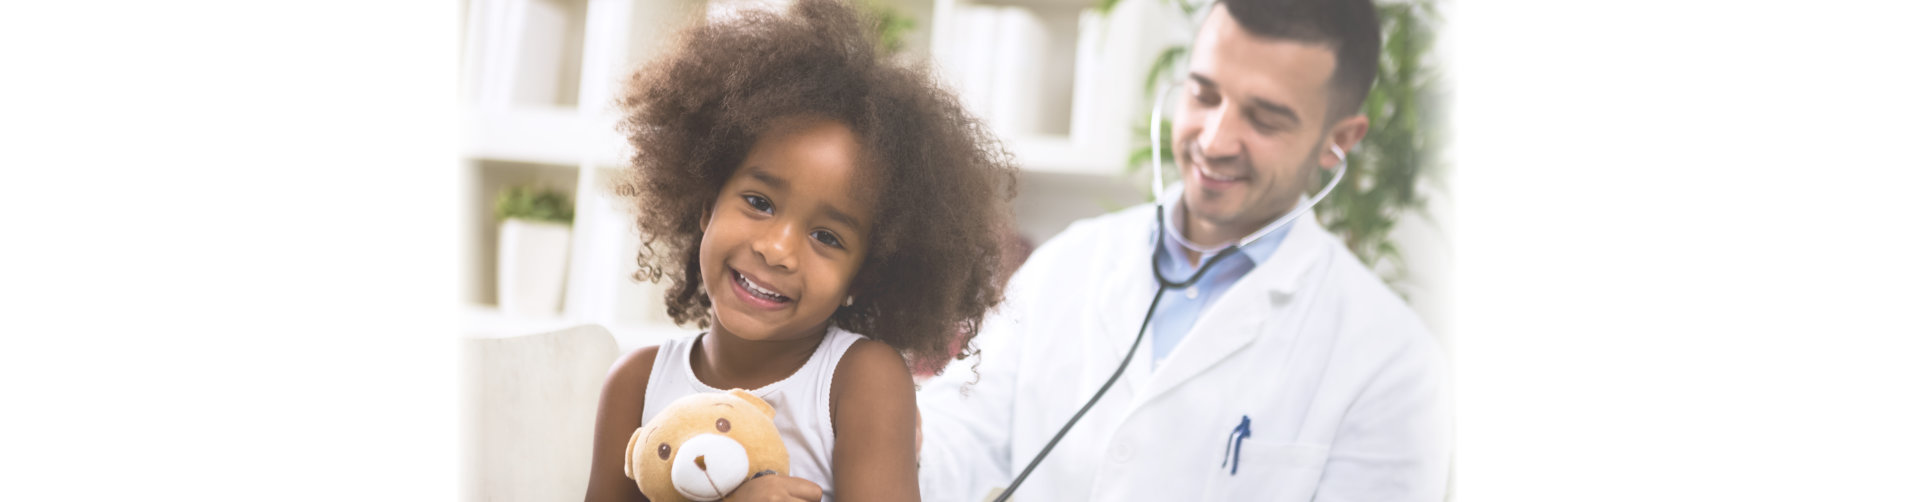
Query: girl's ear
(706,216)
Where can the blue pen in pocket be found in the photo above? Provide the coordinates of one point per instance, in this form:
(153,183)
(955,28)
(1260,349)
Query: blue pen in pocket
(1242,432)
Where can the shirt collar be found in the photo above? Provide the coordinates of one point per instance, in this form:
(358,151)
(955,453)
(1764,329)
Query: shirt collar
(1259,250)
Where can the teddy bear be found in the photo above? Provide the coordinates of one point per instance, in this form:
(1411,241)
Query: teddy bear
(703,446)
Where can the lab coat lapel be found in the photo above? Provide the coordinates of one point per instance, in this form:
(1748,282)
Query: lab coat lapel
(1124,296)
(1246,309)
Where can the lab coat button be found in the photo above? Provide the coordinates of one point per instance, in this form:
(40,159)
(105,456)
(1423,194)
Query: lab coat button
(1193,293)
(1121,453)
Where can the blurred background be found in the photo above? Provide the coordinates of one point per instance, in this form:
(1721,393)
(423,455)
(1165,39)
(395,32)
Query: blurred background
(244,239)
(1066,84)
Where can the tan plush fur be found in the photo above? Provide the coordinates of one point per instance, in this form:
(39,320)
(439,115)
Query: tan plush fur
(750,422)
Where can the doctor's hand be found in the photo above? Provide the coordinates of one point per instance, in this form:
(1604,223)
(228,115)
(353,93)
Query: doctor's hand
(776,488)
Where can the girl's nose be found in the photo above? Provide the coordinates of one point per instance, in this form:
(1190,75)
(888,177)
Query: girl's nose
(775,246)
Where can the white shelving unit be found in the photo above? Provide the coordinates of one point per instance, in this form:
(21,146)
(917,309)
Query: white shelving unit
(1058,83)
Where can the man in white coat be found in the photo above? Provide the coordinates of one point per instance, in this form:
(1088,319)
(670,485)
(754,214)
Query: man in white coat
(1287,372)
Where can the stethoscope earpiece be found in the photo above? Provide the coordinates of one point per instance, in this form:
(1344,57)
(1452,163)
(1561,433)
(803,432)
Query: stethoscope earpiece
(1159,219)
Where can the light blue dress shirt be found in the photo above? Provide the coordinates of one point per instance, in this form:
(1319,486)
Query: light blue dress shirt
(1179,308)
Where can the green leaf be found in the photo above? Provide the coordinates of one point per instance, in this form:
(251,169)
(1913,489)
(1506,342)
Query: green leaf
(1162,66)
(528,203)
(1399,159)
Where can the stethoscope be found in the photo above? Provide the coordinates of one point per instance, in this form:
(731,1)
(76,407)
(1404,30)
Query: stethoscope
(1160,236)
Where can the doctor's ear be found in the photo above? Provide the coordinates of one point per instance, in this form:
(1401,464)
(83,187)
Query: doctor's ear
(1342,137)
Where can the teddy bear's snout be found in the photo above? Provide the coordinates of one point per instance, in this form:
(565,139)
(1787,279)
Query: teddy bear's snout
(709,466)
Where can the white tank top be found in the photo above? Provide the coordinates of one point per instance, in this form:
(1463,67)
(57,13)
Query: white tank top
(799,401)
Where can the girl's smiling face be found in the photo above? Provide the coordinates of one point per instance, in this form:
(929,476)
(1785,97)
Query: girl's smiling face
(787,233)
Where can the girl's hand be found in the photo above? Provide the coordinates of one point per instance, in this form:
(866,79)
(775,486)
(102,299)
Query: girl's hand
(776,488)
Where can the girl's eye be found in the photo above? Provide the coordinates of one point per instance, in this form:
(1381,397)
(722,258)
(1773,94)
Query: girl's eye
(827,238)
(759,203)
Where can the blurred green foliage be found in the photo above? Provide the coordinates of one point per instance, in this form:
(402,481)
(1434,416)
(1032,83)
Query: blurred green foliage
(1396,161)
(529,203)
(890,24)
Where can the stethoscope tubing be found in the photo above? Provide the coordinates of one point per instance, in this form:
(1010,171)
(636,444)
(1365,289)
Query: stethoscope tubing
(1160,236)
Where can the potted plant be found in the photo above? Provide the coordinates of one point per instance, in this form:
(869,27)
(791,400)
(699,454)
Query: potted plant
(536,227)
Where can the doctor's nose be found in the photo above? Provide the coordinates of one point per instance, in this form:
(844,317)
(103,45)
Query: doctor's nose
(1220,135)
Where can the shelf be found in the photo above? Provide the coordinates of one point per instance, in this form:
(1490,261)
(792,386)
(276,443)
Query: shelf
(565,137)
(1053,79)
(541,134)
(484,321)
(1072,4)
(525,52)
(485,180)
(1059,155)
(540,77)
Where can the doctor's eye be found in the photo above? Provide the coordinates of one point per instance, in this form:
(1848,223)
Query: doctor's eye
(722,425)
(759,203)
(663,450)
(1205,96)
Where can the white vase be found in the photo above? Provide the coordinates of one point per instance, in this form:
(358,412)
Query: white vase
(533,266)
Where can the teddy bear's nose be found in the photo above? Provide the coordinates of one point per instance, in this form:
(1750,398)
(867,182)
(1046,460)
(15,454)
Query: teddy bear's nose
(709,467)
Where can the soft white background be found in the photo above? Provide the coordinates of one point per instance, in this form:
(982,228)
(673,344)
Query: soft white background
(1685,246)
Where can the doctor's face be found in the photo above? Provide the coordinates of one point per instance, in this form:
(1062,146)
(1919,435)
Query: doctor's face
(1251,128)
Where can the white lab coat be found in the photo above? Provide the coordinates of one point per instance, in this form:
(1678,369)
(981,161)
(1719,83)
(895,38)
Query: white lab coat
(1344,390)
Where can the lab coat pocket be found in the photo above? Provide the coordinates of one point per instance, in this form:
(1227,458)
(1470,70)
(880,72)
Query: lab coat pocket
(1269,470)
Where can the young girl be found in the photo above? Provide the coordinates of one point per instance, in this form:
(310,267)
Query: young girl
(828,216)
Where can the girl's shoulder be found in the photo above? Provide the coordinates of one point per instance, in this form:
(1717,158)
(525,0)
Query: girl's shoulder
(630,373)
(633,370)
(871,357)
(870,373)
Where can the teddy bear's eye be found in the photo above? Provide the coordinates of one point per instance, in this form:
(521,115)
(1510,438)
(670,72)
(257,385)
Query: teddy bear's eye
(664,450)
(722,425)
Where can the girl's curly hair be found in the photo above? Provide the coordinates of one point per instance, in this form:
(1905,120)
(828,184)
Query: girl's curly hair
(941,180)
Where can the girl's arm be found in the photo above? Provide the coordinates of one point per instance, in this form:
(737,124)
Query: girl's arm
(873,422)
(621,400)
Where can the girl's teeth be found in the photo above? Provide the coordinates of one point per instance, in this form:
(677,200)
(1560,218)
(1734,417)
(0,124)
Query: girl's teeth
(757,290)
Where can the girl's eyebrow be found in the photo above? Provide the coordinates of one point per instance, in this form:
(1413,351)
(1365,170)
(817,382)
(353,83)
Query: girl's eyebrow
(776,182)
(835,214)
(780,184)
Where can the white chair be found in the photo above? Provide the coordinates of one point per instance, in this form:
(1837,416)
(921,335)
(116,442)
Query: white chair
(529,411)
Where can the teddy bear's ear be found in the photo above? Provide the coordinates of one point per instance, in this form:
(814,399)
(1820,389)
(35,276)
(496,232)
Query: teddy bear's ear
(757,402)
(633,471)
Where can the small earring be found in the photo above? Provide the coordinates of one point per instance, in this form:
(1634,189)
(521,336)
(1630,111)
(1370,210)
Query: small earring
(848,302)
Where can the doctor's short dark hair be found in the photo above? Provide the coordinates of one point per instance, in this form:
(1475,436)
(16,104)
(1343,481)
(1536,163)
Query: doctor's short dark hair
(1350,27)
(941,181)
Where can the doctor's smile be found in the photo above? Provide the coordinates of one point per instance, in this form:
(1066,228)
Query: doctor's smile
(1218,175)
(831,248)
(1261,121)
